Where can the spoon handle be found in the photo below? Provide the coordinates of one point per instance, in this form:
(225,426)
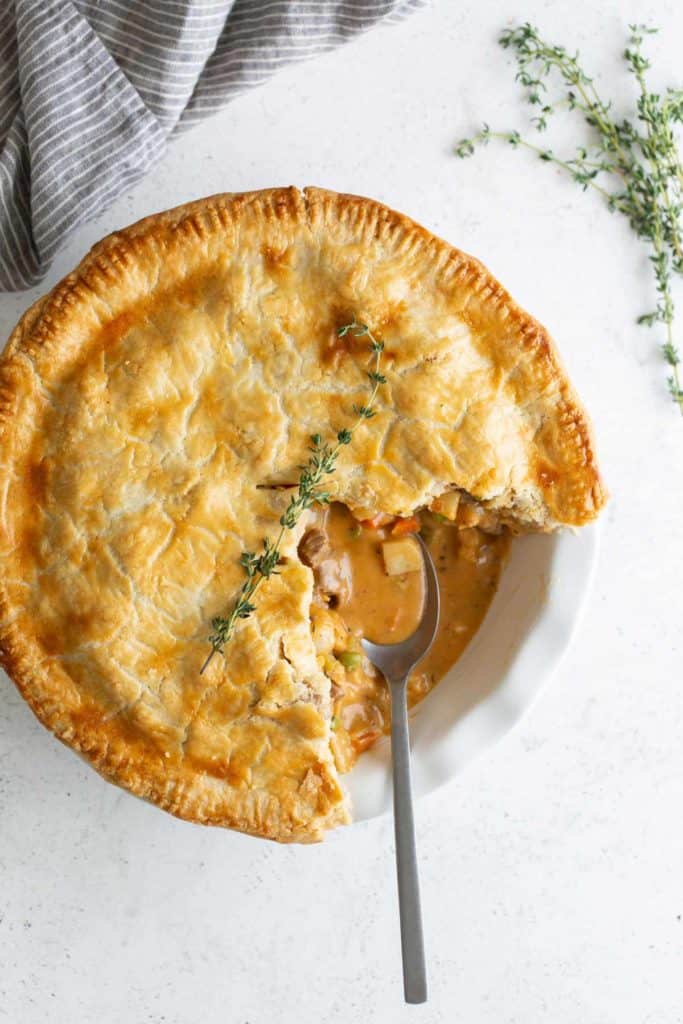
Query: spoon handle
(412,944)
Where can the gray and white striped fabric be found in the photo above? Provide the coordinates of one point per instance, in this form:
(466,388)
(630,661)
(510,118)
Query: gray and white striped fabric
(90,90)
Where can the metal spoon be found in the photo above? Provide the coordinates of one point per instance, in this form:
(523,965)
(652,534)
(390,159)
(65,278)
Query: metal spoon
(395,662)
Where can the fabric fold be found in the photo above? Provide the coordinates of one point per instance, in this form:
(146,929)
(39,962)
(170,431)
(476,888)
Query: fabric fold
(91,90)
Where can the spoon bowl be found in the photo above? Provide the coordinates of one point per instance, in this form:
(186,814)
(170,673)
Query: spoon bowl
(398,660)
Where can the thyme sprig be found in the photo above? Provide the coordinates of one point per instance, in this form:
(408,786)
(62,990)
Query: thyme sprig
(634,165)
(321,463)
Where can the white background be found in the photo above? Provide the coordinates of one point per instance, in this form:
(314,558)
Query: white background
(552,869)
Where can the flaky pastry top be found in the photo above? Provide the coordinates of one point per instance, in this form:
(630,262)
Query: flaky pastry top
(148,405)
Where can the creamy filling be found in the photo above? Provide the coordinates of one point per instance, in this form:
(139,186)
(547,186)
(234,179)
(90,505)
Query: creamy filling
(360,590)
(369,573)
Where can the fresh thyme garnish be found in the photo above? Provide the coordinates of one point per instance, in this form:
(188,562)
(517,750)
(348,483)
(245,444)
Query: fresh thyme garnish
(321,463)
(637,160)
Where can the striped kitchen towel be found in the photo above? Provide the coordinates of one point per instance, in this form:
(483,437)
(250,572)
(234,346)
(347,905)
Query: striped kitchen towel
(90,91)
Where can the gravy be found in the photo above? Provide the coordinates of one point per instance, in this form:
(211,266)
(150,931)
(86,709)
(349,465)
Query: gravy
(386,609)
(364,600)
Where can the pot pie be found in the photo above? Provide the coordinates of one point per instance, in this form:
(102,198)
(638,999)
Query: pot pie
(155,409)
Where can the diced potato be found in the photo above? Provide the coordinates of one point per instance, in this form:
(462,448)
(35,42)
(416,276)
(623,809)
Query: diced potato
(447,505)
(401,556)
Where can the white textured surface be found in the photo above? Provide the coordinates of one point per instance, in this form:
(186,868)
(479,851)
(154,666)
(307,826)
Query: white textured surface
(552,868)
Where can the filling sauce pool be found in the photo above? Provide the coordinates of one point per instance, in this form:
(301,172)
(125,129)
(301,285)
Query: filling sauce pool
(356,596)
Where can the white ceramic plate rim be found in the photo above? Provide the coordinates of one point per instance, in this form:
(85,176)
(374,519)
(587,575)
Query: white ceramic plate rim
(527,630)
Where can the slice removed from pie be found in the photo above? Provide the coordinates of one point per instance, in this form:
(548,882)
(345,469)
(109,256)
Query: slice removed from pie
(150,408)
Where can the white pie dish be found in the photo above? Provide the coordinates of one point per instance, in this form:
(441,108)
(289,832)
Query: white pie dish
(527,629)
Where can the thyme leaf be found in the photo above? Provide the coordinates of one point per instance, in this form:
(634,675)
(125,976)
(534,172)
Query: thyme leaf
(633,164)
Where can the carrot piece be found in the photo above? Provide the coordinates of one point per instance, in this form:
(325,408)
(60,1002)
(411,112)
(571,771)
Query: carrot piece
(381,519)
(403,526)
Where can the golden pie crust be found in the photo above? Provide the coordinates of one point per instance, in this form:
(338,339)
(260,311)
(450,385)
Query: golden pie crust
(146,401)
